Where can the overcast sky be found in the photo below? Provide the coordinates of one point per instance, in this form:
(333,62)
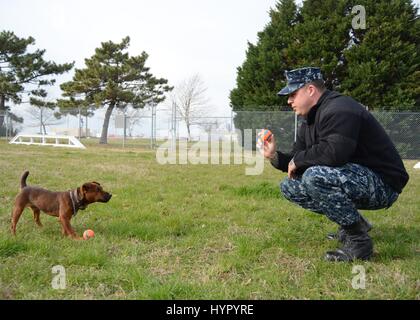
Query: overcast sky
(182,37)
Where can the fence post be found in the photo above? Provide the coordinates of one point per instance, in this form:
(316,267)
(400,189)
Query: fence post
(80,123)
(40,121)
(9,126)
(153,128)
(231,121)
(125,127)
(6,121)
(173,127)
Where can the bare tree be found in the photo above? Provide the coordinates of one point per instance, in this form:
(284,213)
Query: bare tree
(42,117)
(190,100)
(210,125)
(132,117)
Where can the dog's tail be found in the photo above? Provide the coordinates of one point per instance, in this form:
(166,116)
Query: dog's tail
(23,179)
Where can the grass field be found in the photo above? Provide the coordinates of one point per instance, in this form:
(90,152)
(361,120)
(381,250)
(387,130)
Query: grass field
(190,232)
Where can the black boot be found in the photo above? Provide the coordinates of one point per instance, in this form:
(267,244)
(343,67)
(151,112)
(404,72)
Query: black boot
(340,235)
(357,245)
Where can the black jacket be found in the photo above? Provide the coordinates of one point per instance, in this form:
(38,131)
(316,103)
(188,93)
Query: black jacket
(338,130)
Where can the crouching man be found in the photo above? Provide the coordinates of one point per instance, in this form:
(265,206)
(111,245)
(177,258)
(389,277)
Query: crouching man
(342,161)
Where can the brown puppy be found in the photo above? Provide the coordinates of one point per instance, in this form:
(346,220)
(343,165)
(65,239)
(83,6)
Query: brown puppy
(63,205)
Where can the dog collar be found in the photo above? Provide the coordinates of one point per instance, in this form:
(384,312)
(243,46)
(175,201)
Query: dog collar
(76,204)
(72,202)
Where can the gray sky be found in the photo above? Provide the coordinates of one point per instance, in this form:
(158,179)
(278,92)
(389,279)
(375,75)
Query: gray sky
(182,37)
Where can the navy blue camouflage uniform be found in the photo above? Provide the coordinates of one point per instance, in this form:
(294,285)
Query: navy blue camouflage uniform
(338,192)
(345,160)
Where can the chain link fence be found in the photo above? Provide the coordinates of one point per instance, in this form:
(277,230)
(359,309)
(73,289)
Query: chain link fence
(148,127)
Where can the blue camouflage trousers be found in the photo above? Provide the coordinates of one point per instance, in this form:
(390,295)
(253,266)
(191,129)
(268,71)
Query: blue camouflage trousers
(338,192)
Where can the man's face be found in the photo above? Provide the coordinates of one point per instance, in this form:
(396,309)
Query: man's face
(301,101)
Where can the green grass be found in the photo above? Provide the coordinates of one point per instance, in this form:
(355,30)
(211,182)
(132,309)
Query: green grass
(190,232)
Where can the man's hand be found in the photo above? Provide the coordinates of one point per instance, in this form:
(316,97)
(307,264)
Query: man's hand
(291,171)
(269,150)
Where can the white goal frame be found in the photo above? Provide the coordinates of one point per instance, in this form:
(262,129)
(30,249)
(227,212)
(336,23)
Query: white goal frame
(48,140)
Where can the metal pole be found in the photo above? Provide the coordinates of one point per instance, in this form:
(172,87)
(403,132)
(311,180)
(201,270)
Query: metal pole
(173,127)
(151,130)
(153,133)
(80,124)
(125,127)
(154,126)
(295,127)
(40,123)
(6,118)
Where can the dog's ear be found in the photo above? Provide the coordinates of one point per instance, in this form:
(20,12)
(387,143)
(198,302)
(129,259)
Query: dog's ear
(96,183)
(86,187)
(80,193)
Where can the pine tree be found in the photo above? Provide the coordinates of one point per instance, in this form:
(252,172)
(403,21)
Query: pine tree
(378,66)
(383,64)
(24,73)
(114,79)
(321,37)
(262,73)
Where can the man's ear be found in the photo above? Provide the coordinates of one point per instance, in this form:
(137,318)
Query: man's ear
(312,89)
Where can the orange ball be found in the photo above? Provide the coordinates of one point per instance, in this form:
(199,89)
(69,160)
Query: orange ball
(88,234)
(266,135)
(263,137)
